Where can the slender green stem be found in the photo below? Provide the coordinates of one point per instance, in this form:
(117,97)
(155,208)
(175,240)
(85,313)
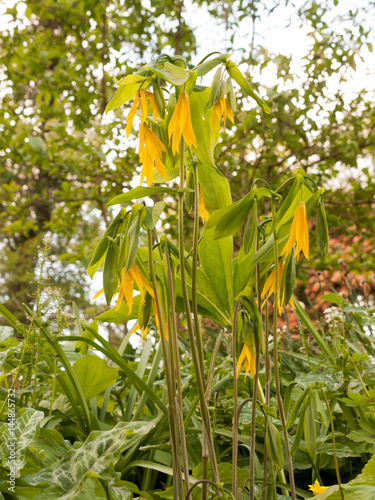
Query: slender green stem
(334,445)
(178,487)
(267,398)
(174,343)
(361,380)
(255,389)
(275,357)
(235,398)
(198,332)
(192,339)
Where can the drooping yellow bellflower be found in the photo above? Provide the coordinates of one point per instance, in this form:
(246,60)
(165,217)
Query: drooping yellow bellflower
(150,146)
(299,233)
(221,109)
(269,287)
(246,357)
(150,154)
(126,286)
(202,209)
(180,124)
(316,488)
(140,100)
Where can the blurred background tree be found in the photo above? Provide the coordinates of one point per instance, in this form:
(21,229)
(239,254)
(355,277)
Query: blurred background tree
(62,158)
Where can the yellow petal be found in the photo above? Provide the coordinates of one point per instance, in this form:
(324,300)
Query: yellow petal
(152,101)
(131,114)
(175,120)
(240,361)
(127,287)
(98,293)
(292,236)
(135,329)
(119,299)
(229,111)
(144,106)
(202,209)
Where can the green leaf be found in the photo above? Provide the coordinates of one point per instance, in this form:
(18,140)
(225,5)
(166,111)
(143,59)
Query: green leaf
(216,260)
(142,192)
(27,423)
(205,134)
(169,72)
(99,454)
(238,77)
(101,249)
(215,188)
(110,272)
(207,65)
(127,89)
(94,375)
(335,298)
(153,214)
(233,216)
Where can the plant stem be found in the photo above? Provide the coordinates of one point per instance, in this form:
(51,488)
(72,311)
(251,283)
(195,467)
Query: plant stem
(267,397)
(178,488)
(334,445)
(198,332)
(235,397)
(255,390)
(275,357)
(192,339)
(174,343)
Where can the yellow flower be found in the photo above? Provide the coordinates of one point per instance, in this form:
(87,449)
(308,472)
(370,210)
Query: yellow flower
(180,124)
(299,233)
(221,109)
(247,357)
(157,320)
(316,488)
(269,287)
(202,209)
(150,151)
(143,330)
(126,286)
(140,99)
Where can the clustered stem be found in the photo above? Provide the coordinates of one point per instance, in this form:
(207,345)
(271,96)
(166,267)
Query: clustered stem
(192,336)
(275,358)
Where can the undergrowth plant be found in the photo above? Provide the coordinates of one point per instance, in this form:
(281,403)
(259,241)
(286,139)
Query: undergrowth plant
(216,403)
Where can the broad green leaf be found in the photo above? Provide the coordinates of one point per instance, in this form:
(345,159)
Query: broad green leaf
(127,89)
(142,192)
(215,188)
(207,65)
(169,72)
(27,423)
(98,454)
(153,214)
(94,375)
(367,476)
(205,134)
(51,442)
(233,216)
(216,260)
(209,304)
(335,298)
